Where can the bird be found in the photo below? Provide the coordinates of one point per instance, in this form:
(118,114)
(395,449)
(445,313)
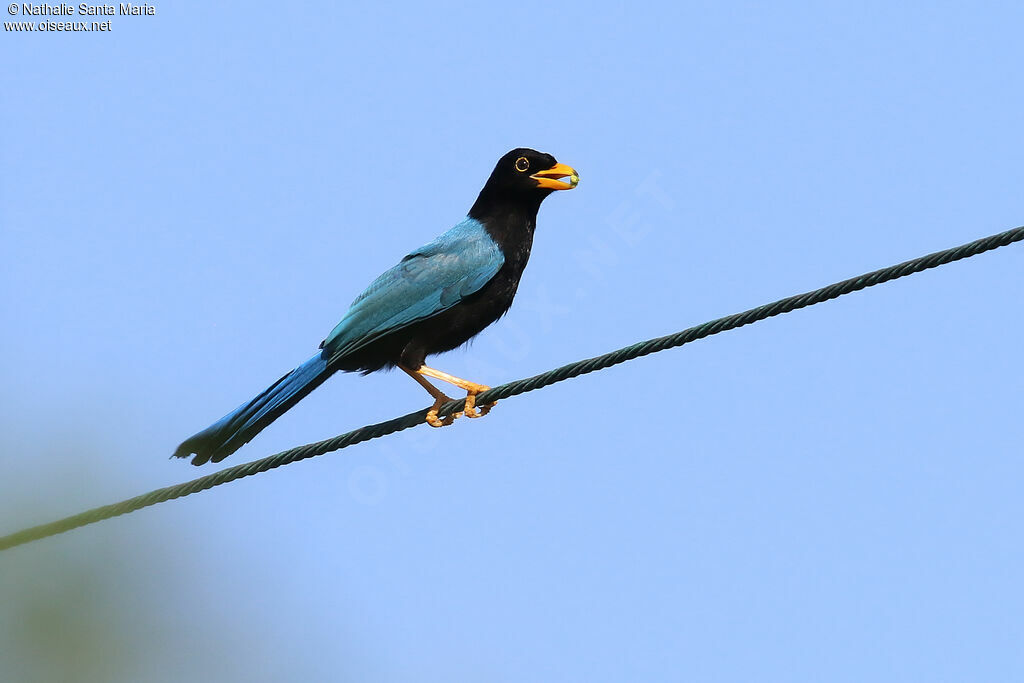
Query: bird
(435,299)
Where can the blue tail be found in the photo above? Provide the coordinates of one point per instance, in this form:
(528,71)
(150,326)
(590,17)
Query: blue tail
(238,427)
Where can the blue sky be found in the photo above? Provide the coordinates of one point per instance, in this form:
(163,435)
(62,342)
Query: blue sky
(190,201)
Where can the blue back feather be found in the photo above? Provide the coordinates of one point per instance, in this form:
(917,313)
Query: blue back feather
(429,280)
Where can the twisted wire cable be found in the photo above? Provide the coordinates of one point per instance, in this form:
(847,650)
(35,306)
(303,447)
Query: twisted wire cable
(517,387)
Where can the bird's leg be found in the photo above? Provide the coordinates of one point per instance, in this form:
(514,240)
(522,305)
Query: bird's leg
(471,388)
(440,398)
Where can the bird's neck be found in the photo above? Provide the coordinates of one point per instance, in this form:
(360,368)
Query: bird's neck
(509,223)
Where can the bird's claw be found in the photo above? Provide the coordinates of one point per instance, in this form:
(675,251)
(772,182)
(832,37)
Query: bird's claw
(433,420)
(471,407)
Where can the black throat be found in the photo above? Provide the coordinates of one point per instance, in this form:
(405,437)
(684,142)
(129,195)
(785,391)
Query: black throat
(509,219)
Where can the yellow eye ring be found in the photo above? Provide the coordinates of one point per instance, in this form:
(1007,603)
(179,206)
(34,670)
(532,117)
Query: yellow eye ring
(522,164)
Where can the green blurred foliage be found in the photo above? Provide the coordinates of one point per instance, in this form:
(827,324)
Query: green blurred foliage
(64,617)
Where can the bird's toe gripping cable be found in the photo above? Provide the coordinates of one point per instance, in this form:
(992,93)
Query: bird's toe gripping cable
(433,420)
(471,407)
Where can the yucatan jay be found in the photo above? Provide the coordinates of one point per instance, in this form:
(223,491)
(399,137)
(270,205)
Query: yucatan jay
(436,299)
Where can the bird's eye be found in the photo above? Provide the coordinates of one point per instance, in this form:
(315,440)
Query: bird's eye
(522,164)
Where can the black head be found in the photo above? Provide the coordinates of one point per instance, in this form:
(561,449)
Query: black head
(523,178)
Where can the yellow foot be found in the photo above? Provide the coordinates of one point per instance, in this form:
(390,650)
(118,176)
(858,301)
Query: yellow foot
(471,409)
(472,389)
(433,420)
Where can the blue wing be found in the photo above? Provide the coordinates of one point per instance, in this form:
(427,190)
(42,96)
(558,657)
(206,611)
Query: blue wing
(431,279)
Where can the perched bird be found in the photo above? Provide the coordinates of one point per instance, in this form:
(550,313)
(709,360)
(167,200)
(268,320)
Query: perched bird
(436,299)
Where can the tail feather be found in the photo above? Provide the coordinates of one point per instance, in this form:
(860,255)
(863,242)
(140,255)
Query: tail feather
(238,427)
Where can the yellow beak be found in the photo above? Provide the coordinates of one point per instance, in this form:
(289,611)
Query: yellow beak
(550,177)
